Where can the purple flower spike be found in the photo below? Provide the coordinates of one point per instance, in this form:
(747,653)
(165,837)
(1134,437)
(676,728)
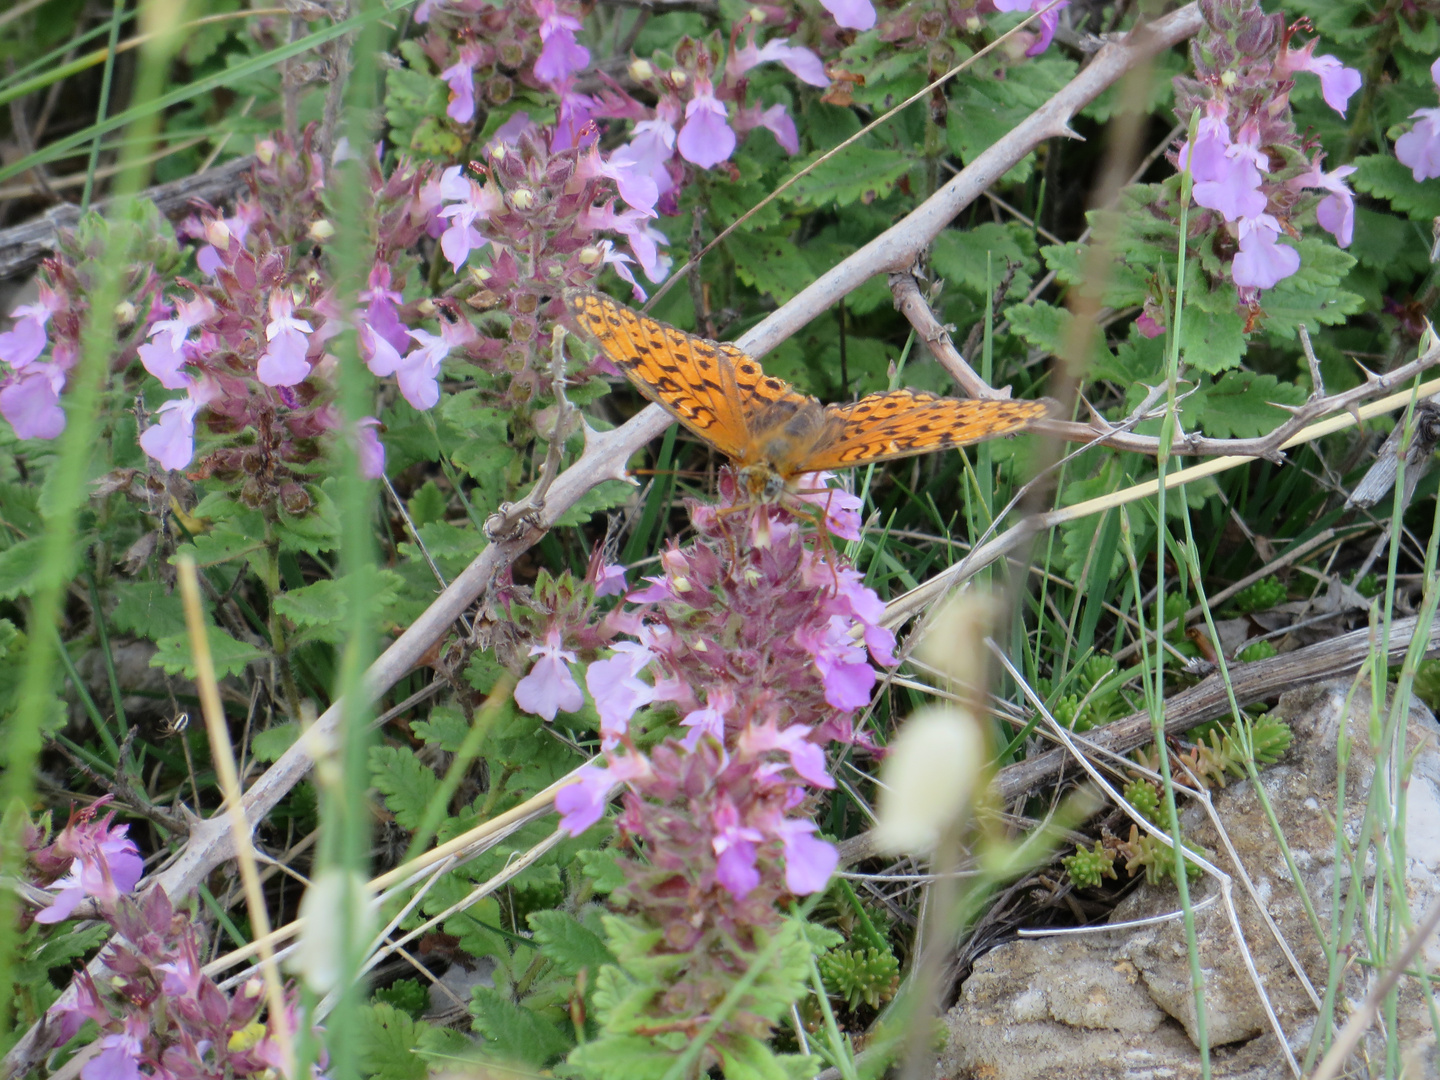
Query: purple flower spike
(706,139)
(460,77)
(561,56)
(284,363)
(105,864)
(1337,82)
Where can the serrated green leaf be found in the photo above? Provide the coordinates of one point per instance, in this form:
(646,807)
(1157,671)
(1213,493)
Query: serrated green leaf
(220,545)
(1039,324)
(622,1057)
(445,728)
(147,609)
(960,256)
(269,744)
(568,945)
(1212,341)
(324,603)
(483,671)
(1385,177)
(428,504)
(1236,407)
(20,568)
(857,174)
(386,1044)
(603,868)
(317,530)
(743,1057)
(515,1033)
(172,654)
(407,783)
(597,500)
(769,262)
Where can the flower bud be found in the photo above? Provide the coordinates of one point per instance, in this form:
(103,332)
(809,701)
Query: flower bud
(757,15)
(1228,79)
(973,23)
(321,230)
(253,987)
(125,313)
(678,79)
(522,198)
(955,642)
(480,274)
(426,307)
(642,70)
(928,778)
(590,255)
(294,499)
(265,151)
(217,233)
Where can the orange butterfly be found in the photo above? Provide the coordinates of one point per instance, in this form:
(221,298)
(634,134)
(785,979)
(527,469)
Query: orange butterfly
(769,429)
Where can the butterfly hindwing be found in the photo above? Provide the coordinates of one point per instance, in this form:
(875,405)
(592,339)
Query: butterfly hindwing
(900,423)
(693,379)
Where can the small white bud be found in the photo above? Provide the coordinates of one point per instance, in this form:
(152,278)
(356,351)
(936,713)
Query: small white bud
(321,230)
(332,893)
(954,644)
(1228,79)
(522,198)
(125,313)
(590,255)
(642,70)
(217,234)
(678,79)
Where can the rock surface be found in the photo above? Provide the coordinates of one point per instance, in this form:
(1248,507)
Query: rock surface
(1117,1003)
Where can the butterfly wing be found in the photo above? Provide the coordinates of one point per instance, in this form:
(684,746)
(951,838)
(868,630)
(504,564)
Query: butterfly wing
(900,423)
(691,378)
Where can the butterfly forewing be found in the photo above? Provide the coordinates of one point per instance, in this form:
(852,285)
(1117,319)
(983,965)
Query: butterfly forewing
(901,423)
(691,378)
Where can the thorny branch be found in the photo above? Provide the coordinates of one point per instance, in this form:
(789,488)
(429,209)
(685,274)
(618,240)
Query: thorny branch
(914,307)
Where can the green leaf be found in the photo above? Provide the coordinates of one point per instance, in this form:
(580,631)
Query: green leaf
(769,262)
(386,1044)
(515,1033)
(622,1057)
(1385,177)
(324,604)
(984,108)
(428,504)
(270,744)
(172,654)
(1212,341)
(603,867)
(220,545)
(317,530)
(571,947)
(960,256)
(600,498)
(147,609)
(857,174)
(445,728)
(407,784)
(20,568)
(744,1057)
(1237,406)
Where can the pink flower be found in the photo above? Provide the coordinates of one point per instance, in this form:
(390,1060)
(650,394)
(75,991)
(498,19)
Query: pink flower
(734,846)
(806,758)
(617,691)
(284,363)
(549,687)
(847,676)
(1262,261)
(706,139)
(470,202)
(381,314)
(611,581)
(1419,148)
(31,402)
(1336,212)
(632,181)
(1337,82)
(561,56)
(801,62)
(710,720)
(809,861)
(120,1054)
(652,147)
(369,449)
(572,119)
(851,14)
(460,77)
(106,864)
(842,509)
(644,239)
(581,803)
(171,441)
(1149,326)
(163,359)
(27,338)
(1231,185)
(1046,24)
(418,372)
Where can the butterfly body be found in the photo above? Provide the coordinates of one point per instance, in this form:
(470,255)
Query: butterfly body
(771,431)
